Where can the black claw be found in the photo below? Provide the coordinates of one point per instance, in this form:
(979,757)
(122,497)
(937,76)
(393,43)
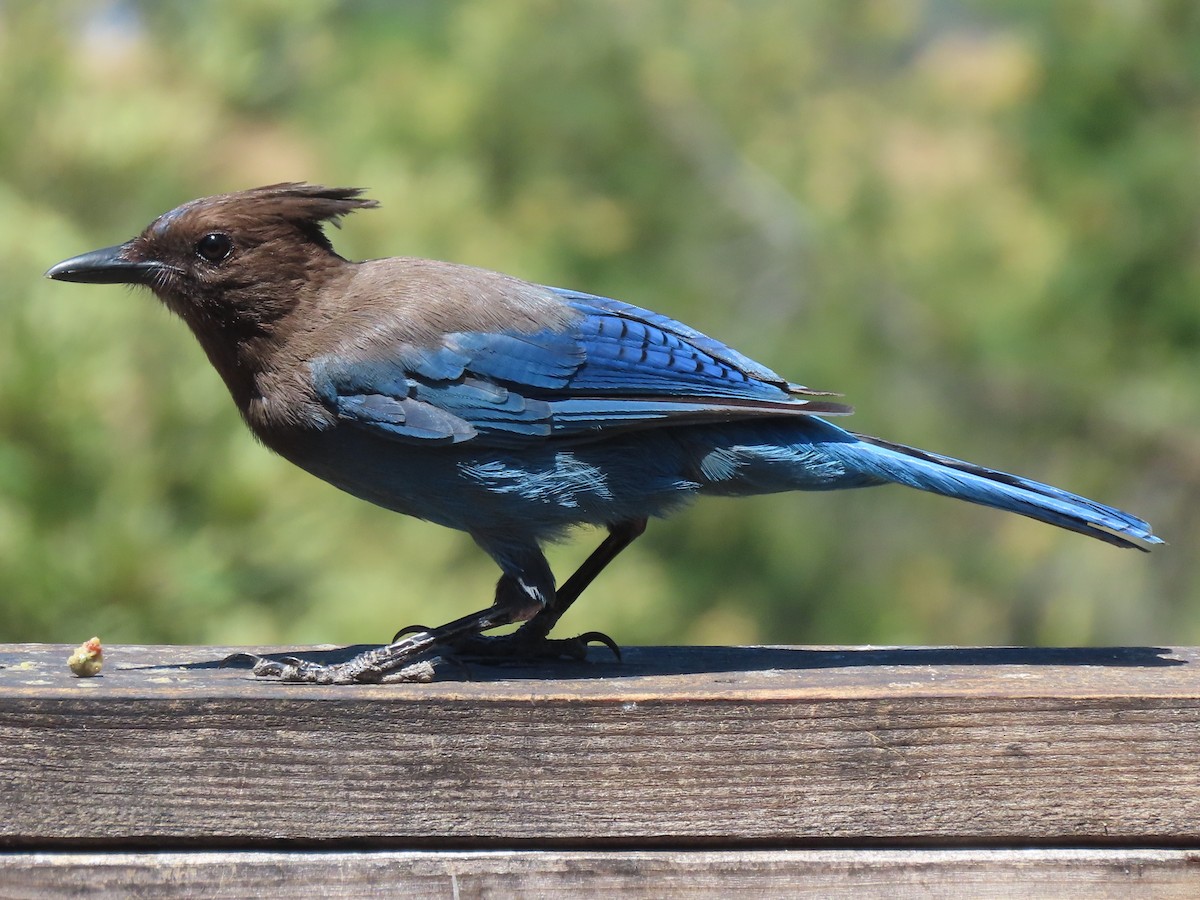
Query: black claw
(599,637)
(409,629)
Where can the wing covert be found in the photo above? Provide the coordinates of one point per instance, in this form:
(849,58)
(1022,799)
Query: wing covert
(614,367)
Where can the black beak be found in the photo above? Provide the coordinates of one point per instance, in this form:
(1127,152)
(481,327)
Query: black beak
(107,266)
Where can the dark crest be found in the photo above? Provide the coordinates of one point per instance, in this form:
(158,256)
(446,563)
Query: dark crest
(305,206)
(298,201)
(301,203)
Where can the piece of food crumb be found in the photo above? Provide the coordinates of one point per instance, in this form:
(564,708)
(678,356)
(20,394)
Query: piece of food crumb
(88,659)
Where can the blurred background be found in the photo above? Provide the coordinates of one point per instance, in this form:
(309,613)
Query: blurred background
(978,220)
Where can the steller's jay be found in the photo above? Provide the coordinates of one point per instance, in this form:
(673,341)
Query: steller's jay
(505,409)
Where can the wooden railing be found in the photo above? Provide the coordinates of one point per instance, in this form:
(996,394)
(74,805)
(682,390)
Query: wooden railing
(680,771)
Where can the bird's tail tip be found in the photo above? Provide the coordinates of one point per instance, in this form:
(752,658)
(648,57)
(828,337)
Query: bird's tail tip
(989,487)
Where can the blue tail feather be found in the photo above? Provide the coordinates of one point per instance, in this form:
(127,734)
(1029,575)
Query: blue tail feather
(966,481)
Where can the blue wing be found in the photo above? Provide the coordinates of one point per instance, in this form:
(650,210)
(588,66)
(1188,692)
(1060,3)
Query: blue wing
(616,367)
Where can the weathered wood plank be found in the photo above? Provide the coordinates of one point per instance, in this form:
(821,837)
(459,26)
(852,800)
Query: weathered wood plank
(675,747)
(891,874)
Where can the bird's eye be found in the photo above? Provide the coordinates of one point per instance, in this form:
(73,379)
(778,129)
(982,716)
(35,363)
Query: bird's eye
(214,247)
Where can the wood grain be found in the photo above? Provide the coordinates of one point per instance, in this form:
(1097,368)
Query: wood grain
(890,874)
(674,748)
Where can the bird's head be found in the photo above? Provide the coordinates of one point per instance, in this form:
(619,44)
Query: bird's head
(233,263)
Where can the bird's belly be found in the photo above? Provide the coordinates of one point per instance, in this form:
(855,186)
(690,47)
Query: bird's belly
(537,492)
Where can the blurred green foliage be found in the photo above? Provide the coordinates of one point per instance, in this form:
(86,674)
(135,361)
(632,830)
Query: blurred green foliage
(979,220)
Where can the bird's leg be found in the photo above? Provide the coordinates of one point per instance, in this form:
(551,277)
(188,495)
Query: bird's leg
(519,596)
(530,641)
(619,537)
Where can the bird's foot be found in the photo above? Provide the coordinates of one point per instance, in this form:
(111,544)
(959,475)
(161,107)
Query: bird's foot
(524,647)
(396,663)
(410,656)
(518,648)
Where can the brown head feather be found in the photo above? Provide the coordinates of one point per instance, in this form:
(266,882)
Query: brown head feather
(234,266)
(305,207)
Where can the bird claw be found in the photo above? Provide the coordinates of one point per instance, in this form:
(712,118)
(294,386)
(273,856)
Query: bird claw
(519,648)
(367,668)
(407,661)
(408,629)
(599,637)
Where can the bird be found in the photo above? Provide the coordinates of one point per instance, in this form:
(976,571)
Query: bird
(502,408)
